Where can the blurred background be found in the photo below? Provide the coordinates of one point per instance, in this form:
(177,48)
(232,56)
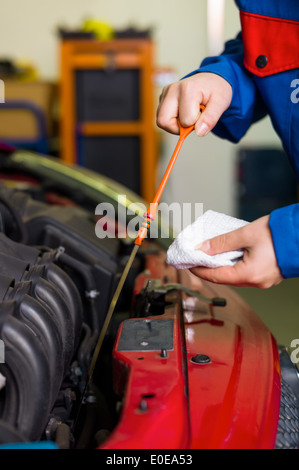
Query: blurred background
(82,82)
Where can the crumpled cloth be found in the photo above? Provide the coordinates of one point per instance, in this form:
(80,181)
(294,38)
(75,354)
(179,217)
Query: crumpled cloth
(182,253)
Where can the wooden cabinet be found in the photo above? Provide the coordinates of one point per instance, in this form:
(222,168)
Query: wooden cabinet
(107,110)
(27,115)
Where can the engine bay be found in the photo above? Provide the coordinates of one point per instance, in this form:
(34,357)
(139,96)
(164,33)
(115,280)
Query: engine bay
(57,279)
(179,360)
(56,282)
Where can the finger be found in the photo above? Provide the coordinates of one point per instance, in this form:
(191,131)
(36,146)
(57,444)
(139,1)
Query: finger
(236,275)
(235,240)
(189,104)
(214,108)
(168,110)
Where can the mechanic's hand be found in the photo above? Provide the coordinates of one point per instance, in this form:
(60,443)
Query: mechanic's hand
(183,99)
(259,265)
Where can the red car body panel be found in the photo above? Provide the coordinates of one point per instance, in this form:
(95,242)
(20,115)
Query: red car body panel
(232,401)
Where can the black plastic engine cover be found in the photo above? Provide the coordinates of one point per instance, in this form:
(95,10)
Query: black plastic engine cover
(94,263)
(56,283)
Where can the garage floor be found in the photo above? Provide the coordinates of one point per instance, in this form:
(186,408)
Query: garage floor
(278,307)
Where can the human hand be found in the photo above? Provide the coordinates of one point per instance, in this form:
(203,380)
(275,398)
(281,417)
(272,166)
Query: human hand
(182,100)
(258,268)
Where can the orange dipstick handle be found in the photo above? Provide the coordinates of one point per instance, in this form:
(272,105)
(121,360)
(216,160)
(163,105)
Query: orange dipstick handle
(151,211)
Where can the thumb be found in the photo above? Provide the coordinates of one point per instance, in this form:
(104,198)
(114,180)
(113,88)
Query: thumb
(211,115)
(223,243)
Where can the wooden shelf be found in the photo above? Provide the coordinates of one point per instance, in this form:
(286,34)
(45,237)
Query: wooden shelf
(112,57)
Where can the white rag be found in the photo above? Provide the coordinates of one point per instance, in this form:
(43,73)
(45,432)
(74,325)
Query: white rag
(182,253)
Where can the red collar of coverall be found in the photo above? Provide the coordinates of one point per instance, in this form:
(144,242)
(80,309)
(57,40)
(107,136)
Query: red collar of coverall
(270,44)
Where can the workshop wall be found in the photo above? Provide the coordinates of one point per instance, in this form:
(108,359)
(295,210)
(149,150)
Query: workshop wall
(205,170)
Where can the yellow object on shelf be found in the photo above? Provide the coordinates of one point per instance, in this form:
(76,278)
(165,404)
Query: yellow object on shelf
(102,30)
(27,71)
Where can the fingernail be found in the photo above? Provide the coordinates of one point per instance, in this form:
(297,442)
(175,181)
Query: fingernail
(202,129)
(203,246)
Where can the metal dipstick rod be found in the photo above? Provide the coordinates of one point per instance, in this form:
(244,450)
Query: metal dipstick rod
(148,217)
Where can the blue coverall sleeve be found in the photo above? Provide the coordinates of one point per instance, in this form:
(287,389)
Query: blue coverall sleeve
(246,106)
(284,226)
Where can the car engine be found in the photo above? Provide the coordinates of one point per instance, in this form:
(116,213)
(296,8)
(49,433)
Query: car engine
(56,282)
(180,364)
